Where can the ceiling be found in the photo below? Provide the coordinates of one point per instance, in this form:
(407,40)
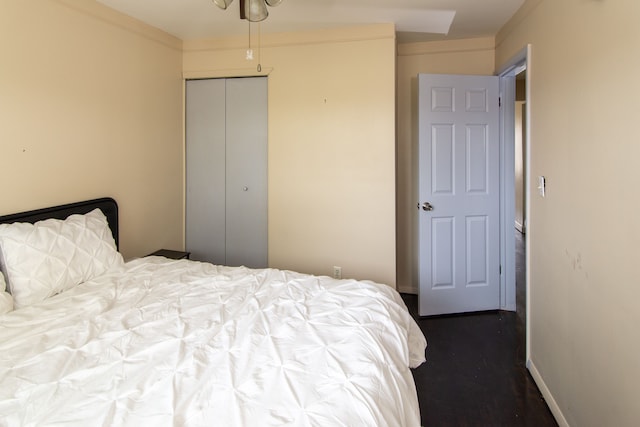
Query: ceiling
(416,20)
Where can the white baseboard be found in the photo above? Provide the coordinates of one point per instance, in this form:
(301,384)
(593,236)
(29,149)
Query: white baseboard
(551,402)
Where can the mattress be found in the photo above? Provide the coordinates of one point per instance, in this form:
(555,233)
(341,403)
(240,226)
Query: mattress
(178,342)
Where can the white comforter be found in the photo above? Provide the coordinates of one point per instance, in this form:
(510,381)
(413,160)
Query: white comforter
(188,343)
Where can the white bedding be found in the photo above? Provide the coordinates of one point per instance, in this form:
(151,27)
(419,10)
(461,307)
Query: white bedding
(188,343)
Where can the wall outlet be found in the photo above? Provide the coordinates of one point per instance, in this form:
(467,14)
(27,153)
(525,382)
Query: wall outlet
(337,272)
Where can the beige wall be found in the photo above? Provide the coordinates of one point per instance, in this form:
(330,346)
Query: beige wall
(470,56)
(585,234)
(331,144)
(91,106)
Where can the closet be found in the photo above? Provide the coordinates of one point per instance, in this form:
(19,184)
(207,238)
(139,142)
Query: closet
(226,171)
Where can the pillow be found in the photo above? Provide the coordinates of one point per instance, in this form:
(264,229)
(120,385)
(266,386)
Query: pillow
(6,302)
(51,256)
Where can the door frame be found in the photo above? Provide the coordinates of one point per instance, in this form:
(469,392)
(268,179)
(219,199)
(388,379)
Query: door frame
(519,62)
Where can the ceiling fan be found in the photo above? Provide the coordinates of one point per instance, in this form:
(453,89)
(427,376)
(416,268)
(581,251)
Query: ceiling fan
(251,10)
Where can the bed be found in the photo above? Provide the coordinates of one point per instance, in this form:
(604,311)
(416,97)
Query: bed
(89,339)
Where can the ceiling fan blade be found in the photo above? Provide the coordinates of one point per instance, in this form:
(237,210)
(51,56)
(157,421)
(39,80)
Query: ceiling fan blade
(223,4)
(273,2)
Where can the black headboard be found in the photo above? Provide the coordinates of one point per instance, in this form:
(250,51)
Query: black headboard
(106,204)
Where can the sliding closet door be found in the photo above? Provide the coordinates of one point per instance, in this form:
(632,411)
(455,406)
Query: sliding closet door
(205,170)
(226,145)
(247,172)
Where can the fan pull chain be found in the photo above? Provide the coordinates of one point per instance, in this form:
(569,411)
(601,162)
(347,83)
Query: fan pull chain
(249,56)
(259,47)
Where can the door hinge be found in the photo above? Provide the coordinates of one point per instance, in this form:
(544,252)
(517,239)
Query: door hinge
(500,270)
(499,101)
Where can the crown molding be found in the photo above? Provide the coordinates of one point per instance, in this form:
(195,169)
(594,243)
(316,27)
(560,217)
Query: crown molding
(446,46)
(335,35)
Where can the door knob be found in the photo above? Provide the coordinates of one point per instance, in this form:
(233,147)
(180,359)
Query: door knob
(426,206)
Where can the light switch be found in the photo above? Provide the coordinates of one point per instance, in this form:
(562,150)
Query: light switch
(542,184)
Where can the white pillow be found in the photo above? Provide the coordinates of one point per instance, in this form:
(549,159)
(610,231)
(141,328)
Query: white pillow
(6,302)
(50,256)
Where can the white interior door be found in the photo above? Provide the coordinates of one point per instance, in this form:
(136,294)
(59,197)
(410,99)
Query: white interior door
(459,173)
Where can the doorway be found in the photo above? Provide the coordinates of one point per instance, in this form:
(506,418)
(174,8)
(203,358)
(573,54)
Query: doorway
(515,170)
